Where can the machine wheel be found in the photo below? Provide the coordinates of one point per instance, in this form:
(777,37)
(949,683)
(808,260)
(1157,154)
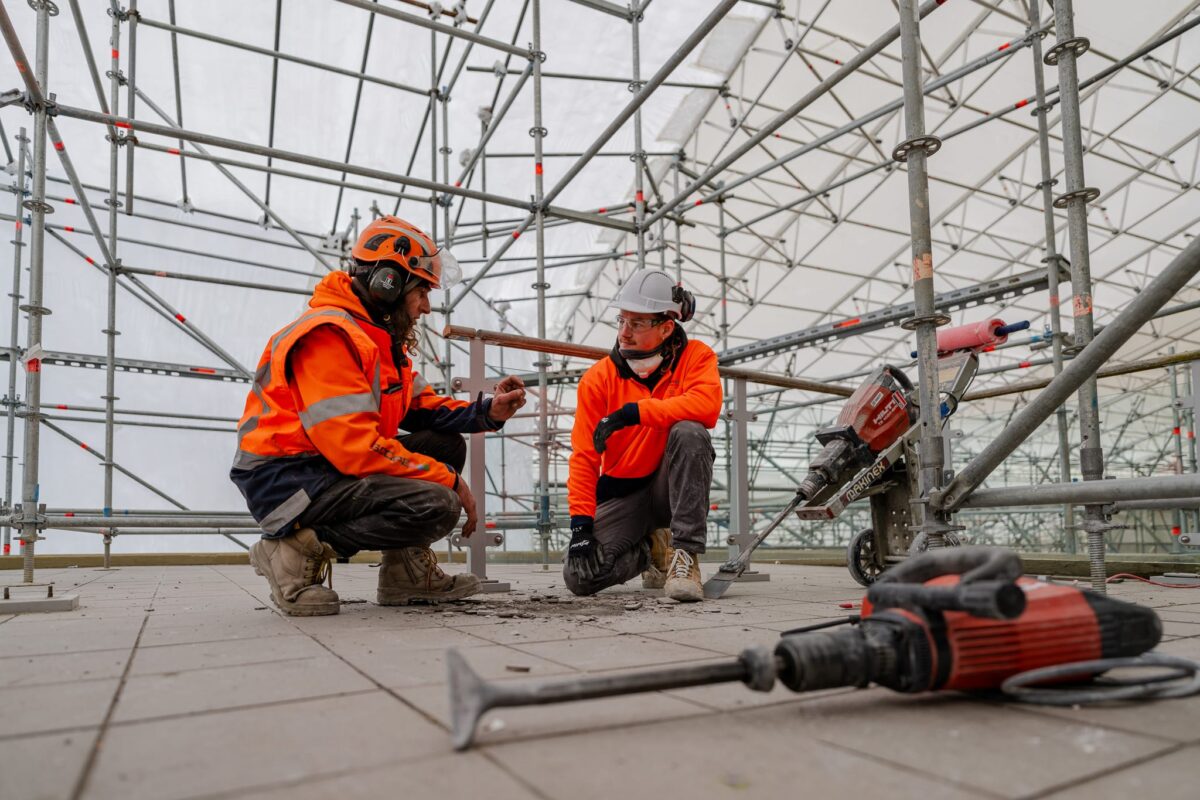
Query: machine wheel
(862,558)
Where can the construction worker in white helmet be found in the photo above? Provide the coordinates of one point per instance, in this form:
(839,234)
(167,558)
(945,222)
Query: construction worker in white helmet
(642,458)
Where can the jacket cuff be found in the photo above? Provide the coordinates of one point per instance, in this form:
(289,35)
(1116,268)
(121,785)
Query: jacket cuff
(579,520)
(486,416)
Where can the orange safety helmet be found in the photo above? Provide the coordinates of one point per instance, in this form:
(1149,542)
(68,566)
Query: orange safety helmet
(391,240)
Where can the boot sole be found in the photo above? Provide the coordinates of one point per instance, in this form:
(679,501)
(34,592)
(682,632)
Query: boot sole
(396,597)
(293,609)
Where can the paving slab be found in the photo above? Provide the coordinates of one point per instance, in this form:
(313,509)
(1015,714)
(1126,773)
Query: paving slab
(714,756)
(962,740)
(242,749)
(44,767)
(223,653)
(54,707)
(62,667)
(459,775)
(1171,776)
(204,690)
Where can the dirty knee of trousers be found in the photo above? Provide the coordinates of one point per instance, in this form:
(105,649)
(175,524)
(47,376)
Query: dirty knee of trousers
(690,436)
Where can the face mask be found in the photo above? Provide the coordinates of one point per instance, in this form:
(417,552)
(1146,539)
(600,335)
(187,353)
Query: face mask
(643,362)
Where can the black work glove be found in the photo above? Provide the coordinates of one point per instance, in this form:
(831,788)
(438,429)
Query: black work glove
(623,417)
(585,555)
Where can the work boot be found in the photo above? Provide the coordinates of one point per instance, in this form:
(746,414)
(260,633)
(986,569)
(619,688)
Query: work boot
(296,566)
(655,577)
(412,573)
(683,577)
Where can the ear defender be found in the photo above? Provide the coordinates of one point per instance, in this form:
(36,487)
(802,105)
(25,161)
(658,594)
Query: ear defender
(385,285)
(687,303)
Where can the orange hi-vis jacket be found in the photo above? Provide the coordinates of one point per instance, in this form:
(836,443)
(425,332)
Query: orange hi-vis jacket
(689,390)
(327,402)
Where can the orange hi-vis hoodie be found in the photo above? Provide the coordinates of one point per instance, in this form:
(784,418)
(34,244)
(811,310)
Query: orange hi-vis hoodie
(327,402)
(690,389)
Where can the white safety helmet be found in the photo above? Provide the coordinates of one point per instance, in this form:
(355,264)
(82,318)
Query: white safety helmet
(651,291)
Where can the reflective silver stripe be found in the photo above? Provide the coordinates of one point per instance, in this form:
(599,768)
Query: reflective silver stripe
(338,406)
(375,388)
(286,511)
(245,460)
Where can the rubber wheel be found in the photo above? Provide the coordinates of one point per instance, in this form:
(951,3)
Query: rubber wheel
(862,559)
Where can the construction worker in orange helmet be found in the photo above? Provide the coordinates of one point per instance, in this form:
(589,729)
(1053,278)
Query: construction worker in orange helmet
(320,459)
(641,455)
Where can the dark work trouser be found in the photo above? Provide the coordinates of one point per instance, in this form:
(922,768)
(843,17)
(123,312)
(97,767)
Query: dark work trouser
(383,512)
(676,497)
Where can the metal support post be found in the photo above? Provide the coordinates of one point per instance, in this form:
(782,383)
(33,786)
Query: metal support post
(29,518)
(915,150)
(1052,260)
(639,156)
(132,17)
(477,544)
(10,399)
(539,198)
(112,267)
(1177,435)
(1091,457)
(741,535)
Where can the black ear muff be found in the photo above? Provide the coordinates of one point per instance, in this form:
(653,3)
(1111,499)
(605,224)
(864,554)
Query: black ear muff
(385,286)
(687,303)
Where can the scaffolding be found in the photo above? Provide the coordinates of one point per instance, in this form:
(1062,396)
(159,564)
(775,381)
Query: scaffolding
(725,211)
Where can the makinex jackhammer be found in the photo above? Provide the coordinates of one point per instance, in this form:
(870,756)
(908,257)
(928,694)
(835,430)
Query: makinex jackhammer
(958,618)
(870,451)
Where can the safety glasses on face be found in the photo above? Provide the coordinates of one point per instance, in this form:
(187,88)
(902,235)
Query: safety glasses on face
(640,325)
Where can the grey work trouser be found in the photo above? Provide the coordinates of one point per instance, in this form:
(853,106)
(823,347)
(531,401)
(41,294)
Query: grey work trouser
(383,512)
(676,497)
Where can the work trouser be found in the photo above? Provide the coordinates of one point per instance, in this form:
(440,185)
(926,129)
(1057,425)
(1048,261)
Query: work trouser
(676,497)
(383,512)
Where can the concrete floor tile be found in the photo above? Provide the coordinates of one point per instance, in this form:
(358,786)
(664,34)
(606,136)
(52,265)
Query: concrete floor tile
(612,652)
(956,738)
(1162,778)
(223,653)
(728,639)
(44,767)
(190,628)
(524,631)
(54,707)
(258,748)
(509,724)
(459,775)
(200,690)
(397,639)
(667,760)
(399,668)
(34,636)
(62,667)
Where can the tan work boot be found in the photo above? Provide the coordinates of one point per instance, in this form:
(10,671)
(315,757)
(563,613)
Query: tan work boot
(412,573)
(683,577)
(296,566)
(660,559)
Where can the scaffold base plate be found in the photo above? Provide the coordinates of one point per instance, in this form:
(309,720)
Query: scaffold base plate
(490,586)
(34,605)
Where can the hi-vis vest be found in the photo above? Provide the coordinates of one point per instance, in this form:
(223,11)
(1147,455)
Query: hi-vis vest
(279,467)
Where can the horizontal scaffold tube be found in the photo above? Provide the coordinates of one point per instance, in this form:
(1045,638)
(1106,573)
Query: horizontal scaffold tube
(1166,487)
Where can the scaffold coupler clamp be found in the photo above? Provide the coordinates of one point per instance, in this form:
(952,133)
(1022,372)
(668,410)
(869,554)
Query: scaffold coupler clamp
(49,5)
